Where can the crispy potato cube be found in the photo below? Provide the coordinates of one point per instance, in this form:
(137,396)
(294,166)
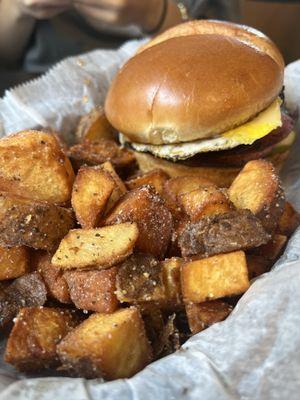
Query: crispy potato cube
(26,291)
(32,165)
(175,187)
(155,178)
(153,319)
(258,189)
(201,316)
(257,265)
(94,126)
(31,223)
(289,221)
(109,345)
(119,189)
(93,290)
(31,345)
(235,230)
(101,248)
(139,279)
(171,279)
(56,284)
(14,262)
(214,277)
(100,151)
(58,136)
(145,207)
(204,202)
(92,189)
(273,249)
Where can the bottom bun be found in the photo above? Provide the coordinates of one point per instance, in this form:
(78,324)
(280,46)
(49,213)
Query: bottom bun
(221,176)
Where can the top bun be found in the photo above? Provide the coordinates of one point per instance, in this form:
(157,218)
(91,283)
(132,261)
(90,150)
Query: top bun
(191,87)
(244,33)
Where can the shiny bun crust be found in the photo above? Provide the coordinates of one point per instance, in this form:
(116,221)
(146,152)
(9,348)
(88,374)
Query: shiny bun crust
(244,33)
(191,87)
(221,176)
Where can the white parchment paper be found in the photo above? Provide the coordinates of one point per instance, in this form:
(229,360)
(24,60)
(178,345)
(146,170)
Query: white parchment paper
(254,354)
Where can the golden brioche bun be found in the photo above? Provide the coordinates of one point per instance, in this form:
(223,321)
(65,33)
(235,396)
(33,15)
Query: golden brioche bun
(191,87)
(244,33)
(221,176)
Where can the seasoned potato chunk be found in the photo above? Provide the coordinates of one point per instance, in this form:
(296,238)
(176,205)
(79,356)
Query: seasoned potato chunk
(139,279)
(289,221)
(93,290)
(32,342)
(145,207)
(92,189)
(155,178)
(273,249)
(56,284)
(204,202)
(27,291)
(171,279)
(94,126)
(109,345)
(258,189)
(101,248)
(32,165)
(31,223)
(236,230)
(214,277)
(257,265)
(14,262)
(100,151)
(175,187)
(202,315)
(119,188)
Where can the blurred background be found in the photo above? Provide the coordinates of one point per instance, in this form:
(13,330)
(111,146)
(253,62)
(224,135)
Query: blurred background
(35,34)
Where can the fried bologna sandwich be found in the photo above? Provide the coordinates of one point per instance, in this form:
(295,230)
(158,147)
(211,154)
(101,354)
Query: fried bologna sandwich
(202,98)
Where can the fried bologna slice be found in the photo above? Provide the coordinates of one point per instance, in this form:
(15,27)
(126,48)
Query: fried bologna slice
(32,165)
(204,202)
(101,248)
(109,345)
(92,189)
(289,221)
(258,189)
(145,207)
(27,291)
(223,233)
(14,262)
(31,345)
(31,223)
(93,290)
(155,178)
(139,279)
(94,126)
(214,277)
(56,284)
(201,316)
(95,153)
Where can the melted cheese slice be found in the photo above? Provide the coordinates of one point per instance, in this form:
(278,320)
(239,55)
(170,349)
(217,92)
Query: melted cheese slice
(247,133)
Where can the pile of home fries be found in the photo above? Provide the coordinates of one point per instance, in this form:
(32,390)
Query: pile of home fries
(104,269)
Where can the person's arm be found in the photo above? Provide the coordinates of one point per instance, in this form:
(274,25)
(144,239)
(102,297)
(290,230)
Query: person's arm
(146,14)
(17,21)
(15,30)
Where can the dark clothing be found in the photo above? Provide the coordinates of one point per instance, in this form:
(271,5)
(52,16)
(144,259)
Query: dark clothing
(69,34)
